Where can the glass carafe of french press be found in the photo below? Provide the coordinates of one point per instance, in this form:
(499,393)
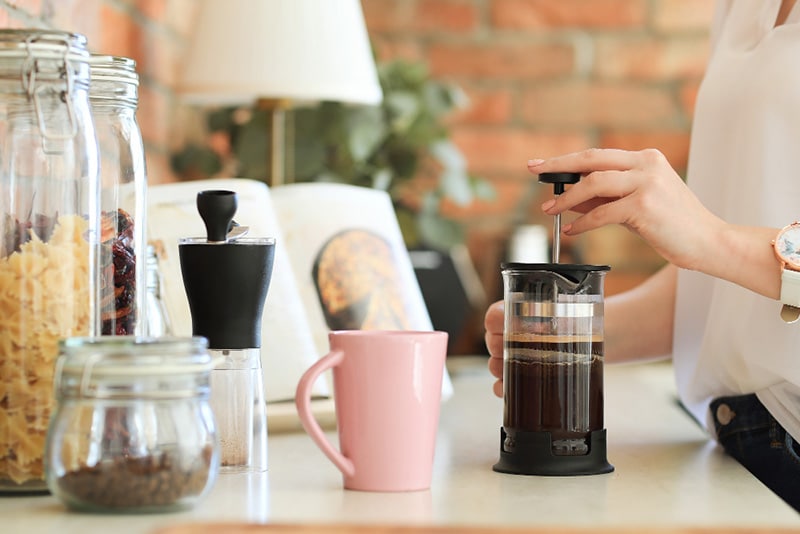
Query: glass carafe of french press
(553,367)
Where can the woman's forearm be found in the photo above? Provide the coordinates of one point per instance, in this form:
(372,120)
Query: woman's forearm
(639,322)
(744,255)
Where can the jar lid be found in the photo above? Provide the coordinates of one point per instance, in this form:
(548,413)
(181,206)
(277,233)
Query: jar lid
(42,43)
(113,69)
(113,81)
(102,367)
(40,58)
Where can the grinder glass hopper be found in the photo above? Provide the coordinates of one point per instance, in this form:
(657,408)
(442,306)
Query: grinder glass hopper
(553,365)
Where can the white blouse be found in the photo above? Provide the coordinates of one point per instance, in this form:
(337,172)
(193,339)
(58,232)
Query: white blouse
(744,165)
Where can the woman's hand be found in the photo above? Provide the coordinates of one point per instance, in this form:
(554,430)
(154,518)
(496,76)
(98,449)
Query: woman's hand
(638,190)
(493,321)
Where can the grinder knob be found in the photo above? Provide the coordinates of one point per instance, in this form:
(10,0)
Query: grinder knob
(217,209)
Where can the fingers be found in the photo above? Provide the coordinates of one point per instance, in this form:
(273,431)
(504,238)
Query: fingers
(494,342)
(609,213)
(496,366)
(494,323)
(595,189)
(494,318)
(586,161)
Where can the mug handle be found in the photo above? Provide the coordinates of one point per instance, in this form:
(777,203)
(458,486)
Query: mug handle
(302,400)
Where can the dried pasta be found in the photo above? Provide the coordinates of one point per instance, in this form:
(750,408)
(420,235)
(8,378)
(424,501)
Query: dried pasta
(44,296)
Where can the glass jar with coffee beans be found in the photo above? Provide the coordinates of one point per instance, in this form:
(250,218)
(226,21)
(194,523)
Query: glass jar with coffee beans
(114,98)
(133,430)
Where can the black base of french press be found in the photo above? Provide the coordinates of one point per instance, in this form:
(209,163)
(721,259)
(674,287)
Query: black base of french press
(531,453)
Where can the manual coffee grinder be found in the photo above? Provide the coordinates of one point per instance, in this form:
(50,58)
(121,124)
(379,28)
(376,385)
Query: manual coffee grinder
(226,277)
(553,364)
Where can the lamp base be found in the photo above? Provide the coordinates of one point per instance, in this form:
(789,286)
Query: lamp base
(531,453)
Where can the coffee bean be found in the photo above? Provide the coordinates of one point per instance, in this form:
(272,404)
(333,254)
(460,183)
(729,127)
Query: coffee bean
(156,481)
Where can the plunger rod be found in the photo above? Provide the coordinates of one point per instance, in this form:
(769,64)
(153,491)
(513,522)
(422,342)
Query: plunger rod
(556,239)
(558,179)
(558,188)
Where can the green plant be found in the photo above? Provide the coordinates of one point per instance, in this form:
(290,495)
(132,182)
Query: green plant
(401,146)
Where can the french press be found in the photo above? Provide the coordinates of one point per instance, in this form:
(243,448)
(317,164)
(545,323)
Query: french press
(553,364)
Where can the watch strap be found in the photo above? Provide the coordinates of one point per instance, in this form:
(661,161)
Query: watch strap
(790,287)
(790,295)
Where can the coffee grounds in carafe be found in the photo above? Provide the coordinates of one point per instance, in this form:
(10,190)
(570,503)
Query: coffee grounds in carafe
(554,384)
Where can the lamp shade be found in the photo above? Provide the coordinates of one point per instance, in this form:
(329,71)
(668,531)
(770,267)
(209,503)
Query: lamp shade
(299,50)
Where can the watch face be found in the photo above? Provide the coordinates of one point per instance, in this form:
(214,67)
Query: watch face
(787,245)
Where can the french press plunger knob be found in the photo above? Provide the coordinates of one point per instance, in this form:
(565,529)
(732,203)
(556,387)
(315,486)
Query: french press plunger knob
(558,179)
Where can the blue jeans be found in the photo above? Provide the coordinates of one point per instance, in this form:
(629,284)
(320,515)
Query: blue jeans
(749,433)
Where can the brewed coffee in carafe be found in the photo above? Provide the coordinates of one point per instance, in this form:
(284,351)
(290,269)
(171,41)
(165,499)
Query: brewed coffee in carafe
(553,369)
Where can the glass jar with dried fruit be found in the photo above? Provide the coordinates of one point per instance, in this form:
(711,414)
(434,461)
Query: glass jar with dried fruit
(133,430)
(113,95)
(49,234)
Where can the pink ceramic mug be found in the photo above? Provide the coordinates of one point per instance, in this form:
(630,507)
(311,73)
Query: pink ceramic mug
(387,388)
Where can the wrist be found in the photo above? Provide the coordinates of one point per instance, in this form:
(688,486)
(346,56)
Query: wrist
(786,247)
(743,255)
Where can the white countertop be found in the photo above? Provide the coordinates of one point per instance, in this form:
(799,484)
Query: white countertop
(667,474)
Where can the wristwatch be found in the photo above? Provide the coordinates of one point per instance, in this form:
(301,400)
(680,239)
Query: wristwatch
(787,249)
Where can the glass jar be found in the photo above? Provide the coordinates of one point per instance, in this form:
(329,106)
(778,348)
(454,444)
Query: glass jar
(113,95)
(156,316)
(133,430)
(49,228)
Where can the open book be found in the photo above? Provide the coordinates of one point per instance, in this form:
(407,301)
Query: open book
(340,264)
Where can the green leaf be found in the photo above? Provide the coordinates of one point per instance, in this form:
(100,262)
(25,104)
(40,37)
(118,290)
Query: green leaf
(430,202)
(382,179)
(309,160)
(403,108)
(455,186)
(195,161)
(253,148)
(437,99)
(407,220)
(483,189)
(438,232)
(448,154)
(221,119)
(367,131)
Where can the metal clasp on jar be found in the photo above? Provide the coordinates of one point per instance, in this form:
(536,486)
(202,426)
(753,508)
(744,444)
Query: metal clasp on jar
(38,76)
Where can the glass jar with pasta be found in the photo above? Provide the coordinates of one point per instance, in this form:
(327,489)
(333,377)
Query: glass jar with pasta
(49,234)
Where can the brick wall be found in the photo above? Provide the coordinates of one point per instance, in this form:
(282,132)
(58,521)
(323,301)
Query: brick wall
(551,76)
(543,76)
(153,32)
